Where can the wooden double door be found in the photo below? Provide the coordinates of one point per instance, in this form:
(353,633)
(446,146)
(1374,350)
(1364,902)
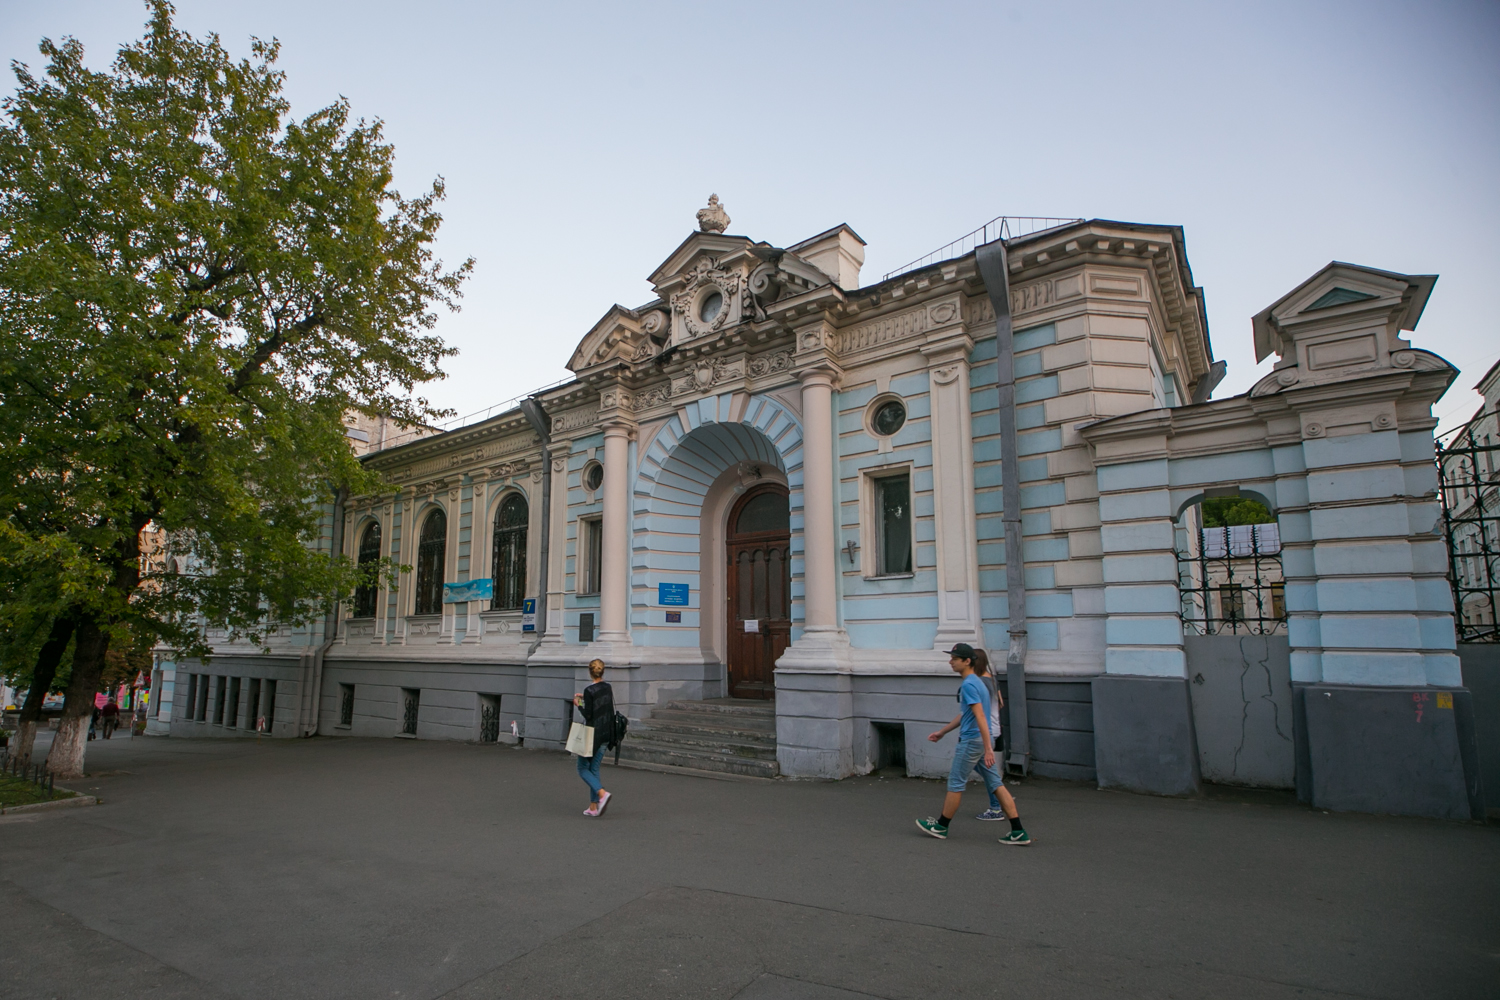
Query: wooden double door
(759,589)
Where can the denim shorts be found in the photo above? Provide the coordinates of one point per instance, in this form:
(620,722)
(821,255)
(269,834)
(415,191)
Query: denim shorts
(968,757)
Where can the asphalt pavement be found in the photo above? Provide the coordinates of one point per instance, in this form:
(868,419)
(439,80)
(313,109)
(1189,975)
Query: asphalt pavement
(347,868)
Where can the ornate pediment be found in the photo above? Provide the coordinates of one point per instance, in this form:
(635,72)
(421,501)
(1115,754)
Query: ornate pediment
(1340,301)
(1344,322)
(629,335)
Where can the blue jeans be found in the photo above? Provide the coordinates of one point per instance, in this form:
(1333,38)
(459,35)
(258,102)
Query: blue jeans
(588,770)
(967,758)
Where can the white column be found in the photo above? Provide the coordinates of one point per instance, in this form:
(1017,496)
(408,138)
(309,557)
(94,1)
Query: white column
(614,584)
(819,475)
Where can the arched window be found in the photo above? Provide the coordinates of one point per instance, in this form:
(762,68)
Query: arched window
(369,551)
(509,567)
(431,549)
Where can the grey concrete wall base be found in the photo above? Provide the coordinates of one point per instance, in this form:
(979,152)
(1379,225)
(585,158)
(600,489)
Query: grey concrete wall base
(1481,667)
(814,724)
(1400,751)
(549,700)
(1143,735)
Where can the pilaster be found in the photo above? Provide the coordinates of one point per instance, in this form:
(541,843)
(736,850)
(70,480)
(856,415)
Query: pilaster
(947,353)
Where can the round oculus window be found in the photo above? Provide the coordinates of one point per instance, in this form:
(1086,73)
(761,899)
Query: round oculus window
(889,418)
(593,476)
(709,308)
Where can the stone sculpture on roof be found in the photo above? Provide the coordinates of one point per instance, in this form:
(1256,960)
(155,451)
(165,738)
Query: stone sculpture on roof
(713,219)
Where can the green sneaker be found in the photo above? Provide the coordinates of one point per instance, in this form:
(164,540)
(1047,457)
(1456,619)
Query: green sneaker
(930,827)
(1019,838)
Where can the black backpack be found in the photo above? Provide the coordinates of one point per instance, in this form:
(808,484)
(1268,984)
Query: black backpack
(622,725)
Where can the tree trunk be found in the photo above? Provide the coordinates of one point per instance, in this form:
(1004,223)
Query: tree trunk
(47,659)
(68,746)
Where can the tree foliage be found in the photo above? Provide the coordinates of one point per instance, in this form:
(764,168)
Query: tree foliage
(1223,512)
(195,288)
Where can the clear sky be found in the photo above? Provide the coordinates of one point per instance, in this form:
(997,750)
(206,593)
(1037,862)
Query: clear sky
(578,140)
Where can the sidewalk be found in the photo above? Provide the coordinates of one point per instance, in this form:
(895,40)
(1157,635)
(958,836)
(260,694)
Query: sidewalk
(398,868)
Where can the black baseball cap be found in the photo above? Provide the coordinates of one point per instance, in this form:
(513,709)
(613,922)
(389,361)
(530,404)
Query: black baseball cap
(962,650)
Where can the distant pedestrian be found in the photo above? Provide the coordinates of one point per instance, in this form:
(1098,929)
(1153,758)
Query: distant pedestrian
(597,705)
(1002,805)
(975,750)
(111,715)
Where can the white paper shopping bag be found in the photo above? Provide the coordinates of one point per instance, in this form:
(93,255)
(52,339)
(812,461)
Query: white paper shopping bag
(581,740)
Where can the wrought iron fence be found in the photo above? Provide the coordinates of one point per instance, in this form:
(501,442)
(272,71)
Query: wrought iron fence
(1469,478)
(35,773)
(1231,581)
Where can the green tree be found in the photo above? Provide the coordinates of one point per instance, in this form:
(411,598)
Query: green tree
(1223,512)
(194,289)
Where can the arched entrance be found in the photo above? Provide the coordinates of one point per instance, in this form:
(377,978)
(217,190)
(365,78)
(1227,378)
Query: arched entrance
(758,589)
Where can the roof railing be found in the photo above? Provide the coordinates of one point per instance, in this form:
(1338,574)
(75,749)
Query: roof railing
(459,423)
(1006,227)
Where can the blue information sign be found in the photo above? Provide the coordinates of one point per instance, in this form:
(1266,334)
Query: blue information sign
(528,615)
(672,594)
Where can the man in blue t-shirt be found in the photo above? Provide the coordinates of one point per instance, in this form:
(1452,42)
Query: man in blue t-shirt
(975,750)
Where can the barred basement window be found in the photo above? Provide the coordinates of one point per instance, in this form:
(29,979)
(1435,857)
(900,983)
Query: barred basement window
(431,553)
(369,552)
(509,570)
(346,705)
(489,718)
(410,702)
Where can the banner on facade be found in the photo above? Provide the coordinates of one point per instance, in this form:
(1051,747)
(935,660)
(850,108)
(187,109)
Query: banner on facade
(471,590)
(528,615)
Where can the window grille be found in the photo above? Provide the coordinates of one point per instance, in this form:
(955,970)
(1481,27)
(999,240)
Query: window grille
(1231,581)
(1469,474)
(509,570)
(410,700)
(489,719)
(346,704)
(431,550)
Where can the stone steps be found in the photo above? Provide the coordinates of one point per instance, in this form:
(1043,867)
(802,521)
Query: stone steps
(724,736)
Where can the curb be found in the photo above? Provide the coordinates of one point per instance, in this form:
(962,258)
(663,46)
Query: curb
(77,800)
(691,772)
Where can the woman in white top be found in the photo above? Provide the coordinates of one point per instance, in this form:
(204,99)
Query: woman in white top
(1002,804)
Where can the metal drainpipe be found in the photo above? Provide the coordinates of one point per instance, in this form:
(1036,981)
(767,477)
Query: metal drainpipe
(330,628)
(995,272)
(537,417)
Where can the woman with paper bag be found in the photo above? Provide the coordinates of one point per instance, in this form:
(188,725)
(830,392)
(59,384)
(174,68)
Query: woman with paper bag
(587,739)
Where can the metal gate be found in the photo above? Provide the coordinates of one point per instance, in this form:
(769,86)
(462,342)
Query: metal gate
(1469,475)
(1238,657)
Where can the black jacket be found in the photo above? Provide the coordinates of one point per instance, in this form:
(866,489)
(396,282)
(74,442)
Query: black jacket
(598,710)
